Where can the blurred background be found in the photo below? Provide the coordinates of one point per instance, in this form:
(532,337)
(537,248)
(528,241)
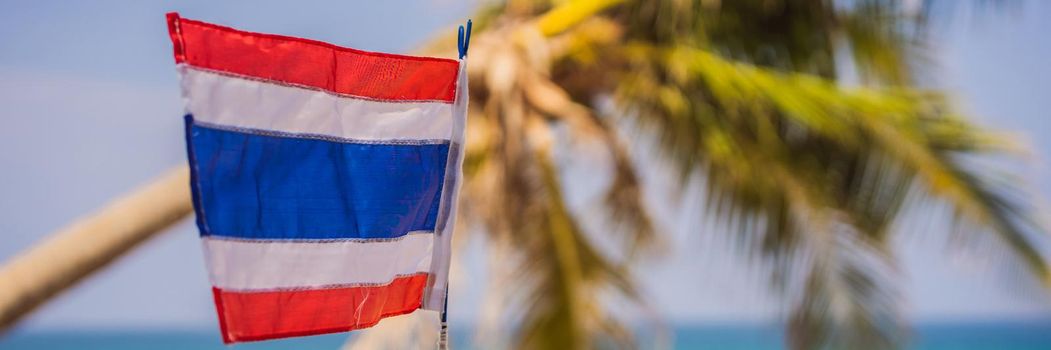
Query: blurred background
(758,174)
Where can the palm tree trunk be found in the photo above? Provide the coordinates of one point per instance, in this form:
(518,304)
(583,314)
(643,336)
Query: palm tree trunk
(33,277)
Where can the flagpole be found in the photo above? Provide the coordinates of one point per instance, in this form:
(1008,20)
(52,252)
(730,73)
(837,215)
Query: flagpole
(462,43)
(443,333)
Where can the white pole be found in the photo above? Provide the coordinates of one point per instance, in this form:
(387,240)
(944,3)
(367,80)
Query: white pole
(443,333)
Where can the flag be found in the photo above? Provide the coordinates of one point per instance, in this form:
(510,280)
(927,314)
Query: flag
(324,178)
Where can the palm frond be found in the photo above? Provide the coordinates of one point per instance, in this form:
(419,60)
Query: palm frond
(764,137)
(565,310)
(514,190)
(808,175)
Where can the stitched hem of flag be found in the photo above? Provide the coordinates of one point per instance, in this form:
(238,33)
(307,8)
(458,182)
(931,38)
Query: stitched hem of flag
(327,286)
(235,75)
(438,281)
(317,240)
(318,137)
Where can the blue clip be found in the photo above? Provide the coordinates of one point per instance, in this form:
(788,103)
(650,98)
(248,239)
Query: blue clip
(463,40)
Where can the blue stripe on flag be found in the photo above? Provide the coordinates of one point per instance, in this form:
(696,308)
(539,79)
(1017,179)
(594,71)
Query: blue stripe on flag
(255,186)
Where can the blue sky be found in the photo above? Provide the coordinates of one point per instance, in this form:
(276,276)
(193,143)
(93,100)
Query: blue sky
(92,110)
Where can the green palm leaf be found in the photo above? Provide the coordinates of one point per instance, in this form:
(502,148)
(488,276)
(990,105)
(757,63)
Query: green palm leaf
(810,177)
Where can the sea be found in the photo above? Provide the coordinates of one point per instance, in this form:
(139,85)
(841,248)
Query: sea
(1014,335)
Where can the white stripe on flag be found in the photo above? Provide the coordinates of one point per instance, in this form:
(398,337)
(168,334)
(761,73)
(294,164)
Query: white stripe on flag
(275,265)
(238,102)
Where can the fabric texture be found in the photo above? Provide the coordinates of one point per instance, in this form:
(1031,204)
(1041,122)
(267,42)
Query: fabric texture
(324,178)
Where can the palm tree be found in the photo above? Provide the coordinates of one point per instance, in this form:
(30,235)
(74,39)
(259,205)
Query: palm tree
(809,176)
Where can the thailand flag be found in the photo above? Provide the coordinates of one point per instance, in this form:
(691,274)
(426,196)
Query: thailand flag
(324,178)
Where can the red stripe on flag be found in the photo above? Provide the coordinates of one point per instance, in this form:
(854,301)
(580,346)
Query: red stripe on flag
(312,64)
(249,316)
